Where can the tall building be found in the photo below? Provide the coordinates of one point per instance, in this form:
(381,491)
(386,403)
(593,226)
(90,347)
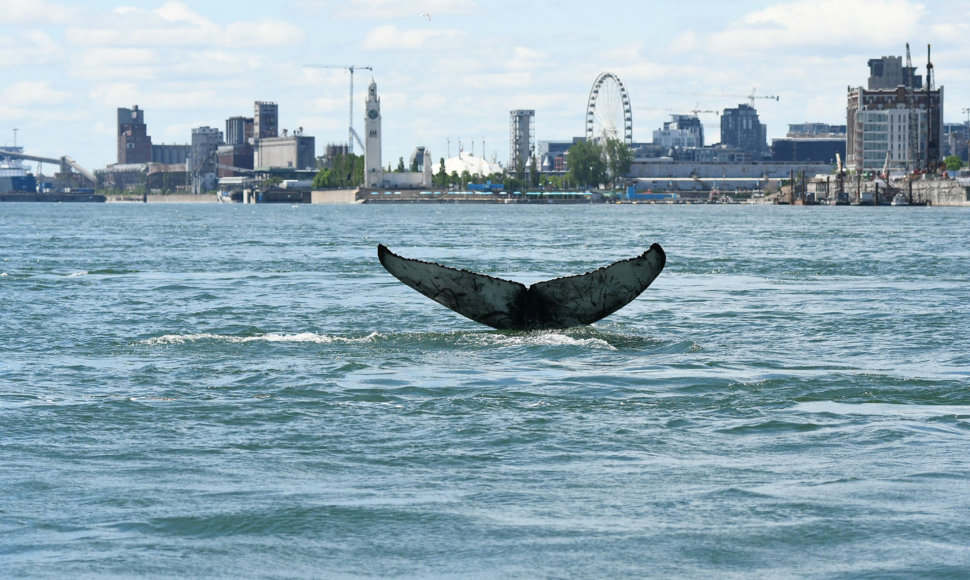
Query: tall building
(134,144)
(683,132)
(896,123)
(239,130)
(742,129)
(201,164)
(265,120)
(373,172)
(521,139)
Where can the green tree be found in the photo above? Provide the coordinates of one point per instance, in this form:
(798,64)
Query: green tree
(322,179)
(400,165)
(440,179)
(619,158)
(586,165)
(533,172)
(953,163)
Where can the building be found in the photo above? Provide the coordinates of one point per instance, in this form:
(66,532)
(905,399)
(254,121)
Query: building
(373,171)
(683,132)
(295,151)
(521,139)
(742,129)
(265,120)
(956,137)
(240,130)
(170,154)
(201,165)
(810,143)
(895,123)
(134,144)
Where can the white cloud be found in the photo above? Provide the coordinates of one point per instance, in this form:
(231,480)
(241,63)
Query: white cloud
(390,37)
(33,93)
(390,9)
(820,23)
(176,24)
(34,12)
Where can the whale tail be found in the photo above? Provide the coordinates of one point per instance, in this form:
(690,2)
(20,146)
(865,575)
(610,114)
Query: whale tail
(508,305)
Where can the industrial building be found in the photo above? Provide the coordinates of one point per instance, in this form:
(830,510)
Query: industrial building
(265,120)
(134,144)
(201,165)
(295,151)
(896,123)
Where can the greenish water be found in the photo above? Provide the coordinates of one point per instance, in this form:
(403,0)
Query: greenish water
(227,390)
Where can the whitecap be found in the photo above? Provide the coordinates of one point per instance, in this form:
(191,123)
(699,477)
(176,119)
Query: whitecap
(884,409)
(303,337)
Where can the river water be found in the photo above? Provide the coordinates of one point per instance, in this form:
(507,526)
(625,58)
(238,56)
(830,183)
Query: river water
(226,390)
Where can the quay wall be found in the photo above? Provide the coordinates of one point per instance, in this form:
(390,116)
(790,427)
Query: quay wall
(942,192)
(334,196)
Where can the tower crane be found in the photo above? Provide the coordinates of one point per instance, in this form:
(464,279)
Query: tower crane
(350,68)
(752,97)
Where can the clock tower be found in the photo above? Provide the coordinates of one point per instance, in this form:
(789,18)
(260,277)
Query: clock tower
(373,173)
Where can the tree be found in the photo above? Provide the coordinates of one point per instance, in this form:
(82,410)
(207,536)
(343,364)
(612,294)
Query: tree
(619,158)
(346,170)
(533,172)
(953,163)
(440,179)
(400,165)
(586,165)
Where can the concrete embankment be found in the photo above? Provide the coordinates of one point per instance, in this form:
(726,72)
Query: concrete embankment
(941,192)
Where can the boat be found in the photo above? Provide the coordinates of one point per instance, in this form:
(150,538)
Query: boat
(551,304)
(899,199)
(17,184)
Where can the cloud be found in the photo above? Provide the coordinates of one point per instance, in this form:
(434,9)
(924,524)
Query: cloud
(389,9)
(34,12)
(32,93)
(176,24)
(391,37)
(32,47)
(820,23)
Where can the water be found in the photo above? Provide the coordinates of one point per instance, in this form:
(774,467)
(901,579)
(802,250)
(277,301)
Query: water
(214,390)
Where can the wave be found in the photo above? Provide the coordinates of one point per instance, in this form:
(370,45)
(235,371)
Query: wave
(303,337)
(885,409)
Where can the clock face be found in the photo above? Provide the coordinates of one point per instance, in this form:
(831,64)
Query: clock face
(372,113)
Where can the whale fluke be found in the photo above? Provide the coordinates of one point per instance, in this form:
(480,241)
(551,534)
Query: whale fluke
(507,305)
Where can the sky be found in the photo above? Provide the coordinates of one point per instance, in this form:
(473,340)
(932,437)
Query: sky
(448,72)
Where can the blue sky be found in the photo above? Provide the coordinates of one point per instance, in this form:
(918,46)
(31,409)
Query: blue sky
(447,70)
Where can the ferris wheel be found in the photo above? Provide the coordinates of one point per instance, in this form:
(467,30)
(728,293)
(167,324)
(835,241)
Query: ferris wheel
(609,114)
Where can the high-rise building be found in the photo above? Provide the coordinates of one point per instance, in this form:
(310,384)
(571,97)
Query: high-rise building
(742,129)
(239,130)
(201,164)
(134,144)
(521,139)
(265,120)
(896,123)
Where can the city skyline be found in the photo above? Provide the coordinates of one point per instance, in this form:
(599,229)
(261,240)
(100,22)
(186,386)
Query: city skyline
(447,70)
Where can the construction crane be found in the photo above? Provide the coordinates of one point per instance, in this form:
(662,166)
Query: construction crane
(350,68)
(752,97)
